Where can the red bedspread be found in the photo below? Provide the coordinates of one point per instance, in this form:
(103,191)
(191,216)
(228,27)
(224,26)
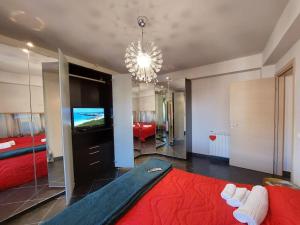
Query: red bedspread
(144,130)
(23,142)
(19,170)
(189,199)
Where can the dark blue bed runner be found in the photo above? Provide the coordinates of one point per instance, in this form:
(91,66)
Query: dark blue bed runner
(107,204)
(21,151)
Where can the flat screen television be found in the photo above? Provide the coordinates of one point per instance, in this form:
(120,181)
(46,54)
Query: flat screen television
(86,118)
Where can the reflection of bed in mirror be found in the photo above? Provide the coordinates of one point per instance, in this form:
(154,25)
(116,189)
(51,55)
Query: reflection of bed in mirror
(16,162)
(143,130)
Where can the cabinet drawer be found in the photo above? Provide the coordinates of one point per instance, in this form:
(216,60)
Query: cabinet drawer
(92,159)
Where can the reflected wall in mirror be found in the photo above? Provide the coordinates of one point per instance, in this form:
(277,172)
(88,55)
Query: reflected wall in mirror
(50,74)
(24,159)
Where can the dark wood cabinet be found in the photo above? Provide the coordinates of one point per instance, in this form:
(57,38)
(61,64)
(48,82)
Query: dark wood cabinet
(93,149)
(93,154)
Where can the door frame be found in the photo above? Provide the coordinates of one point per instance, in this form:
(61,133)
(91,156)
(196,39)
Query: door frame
(286,70)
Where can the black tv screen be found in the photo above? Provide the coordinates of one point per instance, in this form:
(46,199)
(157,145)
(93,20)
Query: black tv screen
(88,117)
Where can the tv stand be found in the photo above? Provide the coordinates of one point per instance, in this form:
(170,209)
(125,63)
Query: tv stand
(93,155)
(93,149)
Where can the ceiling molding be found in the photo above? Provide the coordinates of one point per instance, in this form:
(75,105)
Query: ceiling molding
(285,34)
(230,66)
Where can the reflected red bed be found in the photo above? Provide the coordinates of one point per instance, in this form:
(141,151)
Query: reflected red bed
(19,170)
(144,130)
(189,199)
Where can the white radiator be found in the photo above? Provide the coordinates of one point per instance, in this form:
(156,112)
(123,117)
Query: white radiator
(219,145)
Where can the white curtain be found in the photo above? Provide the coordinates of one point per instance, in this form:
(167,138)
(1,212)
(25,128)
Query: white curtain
(7,126)
(19,124)
(147,116)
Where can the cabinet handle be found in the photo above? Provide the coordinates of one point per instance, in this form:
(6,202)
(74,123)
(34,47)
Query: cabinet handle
(92,153)
(94,163)
(93,147)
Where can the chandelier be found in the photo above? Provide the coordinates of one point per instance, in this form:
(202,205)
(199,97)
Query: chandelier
(143,59)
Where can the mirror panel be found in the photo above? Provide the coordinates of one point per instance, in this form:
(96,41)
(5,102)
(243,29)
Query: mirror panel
(159,119)
(144,118)
(46,123)
(17,168)
(24,167)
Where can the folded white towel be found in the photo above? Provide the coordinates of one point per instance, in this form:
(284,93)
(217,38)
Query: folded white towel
(5,145)
(12,142)
(245,197)
(43,140)
(228,191)
(255,208)
(238,197)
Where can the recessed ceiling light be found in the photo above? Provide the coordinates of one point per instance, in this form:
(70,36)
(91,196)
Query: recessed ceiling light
(25,50)
(29,44)
(167,78)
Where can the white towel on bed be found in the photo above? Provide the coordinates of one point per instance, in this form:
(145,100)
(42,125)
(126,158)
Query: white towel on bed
(12,142)
(238,198)
(228,191)
(245,197)
(255,208)
(5,145)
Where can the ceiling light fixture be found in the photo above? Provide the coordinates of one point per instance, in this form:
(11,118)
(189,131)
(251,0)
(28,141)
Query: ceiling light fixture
(143,59)
(25,50)
(30,45)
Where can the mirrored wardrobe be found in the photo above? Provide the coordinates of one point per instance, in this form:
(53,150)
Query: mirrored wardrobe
(159,119)
(31,160)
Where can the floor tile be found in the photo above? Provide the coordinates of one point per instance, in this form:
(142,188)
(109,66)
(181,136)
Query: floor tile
(47,192)
(34,216)
(7,210)
(59,205)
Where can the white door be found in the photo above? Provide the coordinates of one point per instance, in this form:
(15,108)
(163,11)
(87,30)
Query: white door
(65,113)
(252,107)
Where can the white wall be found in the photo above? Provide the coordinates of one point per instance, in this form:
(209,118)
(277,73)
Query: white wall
(123,132)
(14,92)
(159,109)
(52,114)
(294,54)
(210,106)
(144,100)
(179,115)
(15,98)
(15,78)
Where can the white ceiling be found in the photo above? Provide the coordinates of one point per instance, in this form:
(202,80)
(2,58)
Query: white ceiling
(190,32)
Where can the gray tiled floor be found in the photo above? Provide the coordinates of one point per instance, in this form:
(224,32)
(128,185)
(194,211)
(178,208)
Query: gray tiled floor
(43,212)
(203,166)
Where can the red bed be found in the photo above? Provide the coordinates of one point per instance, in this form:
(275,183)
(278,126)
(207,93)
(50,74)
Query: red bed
(143,130)
(19,170)
(189,199)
